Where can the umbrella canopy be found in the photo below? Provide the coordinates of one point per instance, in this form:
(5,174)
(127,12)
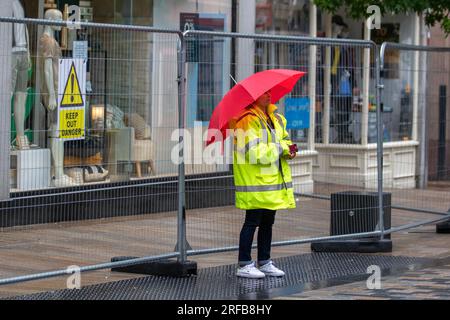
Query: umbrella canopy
(278,81)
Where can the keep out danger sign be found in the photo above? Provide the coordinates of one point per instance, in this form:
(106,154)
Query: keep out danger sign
(71,125)
(72,99)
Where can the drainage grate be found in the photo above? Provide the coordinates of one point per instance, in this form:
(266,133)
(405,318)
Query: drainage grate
(221,283)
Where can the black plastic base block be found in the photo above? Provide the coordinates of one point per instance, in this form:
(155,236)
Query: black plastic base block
(443,227)
(360,246)
(170,268)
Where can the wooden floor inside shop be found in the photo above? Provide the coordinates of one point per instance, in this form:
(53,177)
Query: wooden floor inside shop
(32,249)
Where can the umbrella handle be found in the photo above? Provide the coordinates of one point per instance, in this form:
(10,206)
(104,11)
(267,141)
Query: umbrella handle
(235,82)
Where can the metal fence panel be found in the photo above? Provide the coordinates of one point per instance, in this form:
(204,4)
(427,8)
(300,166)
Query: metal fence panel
(216,228)
(125,199)
(414,99)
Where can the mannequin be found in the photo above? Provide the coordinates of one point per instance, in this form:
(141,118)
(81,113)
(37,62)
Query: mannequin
(20,65)
(342,79)
(50,53)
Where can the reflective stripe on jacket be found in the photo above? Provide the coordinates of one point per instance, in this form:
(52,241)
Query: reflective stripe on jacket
(262,176)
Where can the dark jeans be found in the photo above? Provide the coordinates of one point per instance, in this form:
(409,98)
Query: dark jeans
(264,219)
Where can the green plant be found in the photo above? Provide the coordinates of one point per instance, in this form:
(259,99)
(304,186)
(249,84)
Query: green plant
(435,11)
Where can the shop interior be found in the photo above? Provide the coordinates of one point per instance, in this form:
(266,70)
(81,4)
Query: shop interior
(117,145)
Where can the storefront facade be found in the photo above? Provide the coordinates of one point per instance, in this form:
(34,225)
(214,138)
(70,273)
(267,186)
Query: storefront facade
(343,150)
(353,160)
(132,78)
(123,96)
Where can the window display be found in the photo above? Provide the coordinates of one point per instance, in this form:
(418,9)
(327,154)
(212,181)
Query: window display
(343,85)
(289,17)
(116,145)
(130,97)
(142,148)
(20,66)
(50,54)
(283,16)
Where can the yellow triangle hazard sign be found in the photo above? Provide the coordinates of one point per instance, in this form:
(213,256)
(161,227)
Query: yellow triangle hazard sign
(72,96)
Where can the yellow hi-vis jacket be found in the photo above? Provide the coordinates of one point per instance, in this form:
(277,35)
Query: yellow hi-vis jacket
(262,176)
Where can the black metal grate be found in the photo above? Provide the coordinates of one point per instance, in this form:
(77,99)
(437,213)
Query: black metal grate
(221,282)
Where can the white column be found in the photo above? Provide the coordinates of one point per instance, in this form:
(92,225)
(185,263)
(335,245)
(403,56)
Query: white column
(312,75)
(365,87)
(423,174)
(245,54)
(5,97)
(327,83)
(416,18)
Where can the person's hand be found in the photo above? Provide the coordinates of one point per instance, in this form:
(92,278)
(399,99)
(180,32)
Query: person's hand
(292,155)
(52,102)
(293,149)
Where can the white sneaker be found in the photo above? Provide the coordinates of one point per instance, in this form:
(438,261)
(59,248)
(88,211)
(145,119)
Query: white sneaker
(270,270)
(250,271)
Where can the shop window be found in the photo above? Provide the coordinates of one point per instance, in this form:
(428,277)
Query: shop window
(210,82)
(284,16)
(287,17)
(136,12)
(109,86)
(205,58)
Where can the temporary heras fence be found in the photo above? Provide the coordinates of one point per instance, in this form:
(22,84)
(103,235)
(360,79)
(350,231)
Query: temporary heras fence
(414,81)
(111,191)
(148,96)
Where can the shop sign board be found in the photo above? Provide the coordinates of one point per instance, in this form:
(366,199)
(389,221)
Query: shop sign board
(297,113)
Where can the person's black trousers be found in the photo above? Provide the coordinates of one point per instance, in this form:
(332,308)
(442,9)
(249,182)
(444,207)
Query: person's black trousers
(263,219)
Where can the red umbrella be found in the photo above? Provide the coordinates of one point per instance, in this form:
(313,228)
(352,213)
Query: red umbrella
(278,81)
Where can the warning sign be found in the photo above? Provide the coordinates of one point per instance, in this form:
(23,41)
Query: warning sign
(72,98)
(71,124)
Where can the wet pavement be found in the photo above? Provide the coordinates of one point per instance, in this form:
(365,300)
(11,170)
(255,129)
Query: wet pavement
(308,276)
(426,284)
